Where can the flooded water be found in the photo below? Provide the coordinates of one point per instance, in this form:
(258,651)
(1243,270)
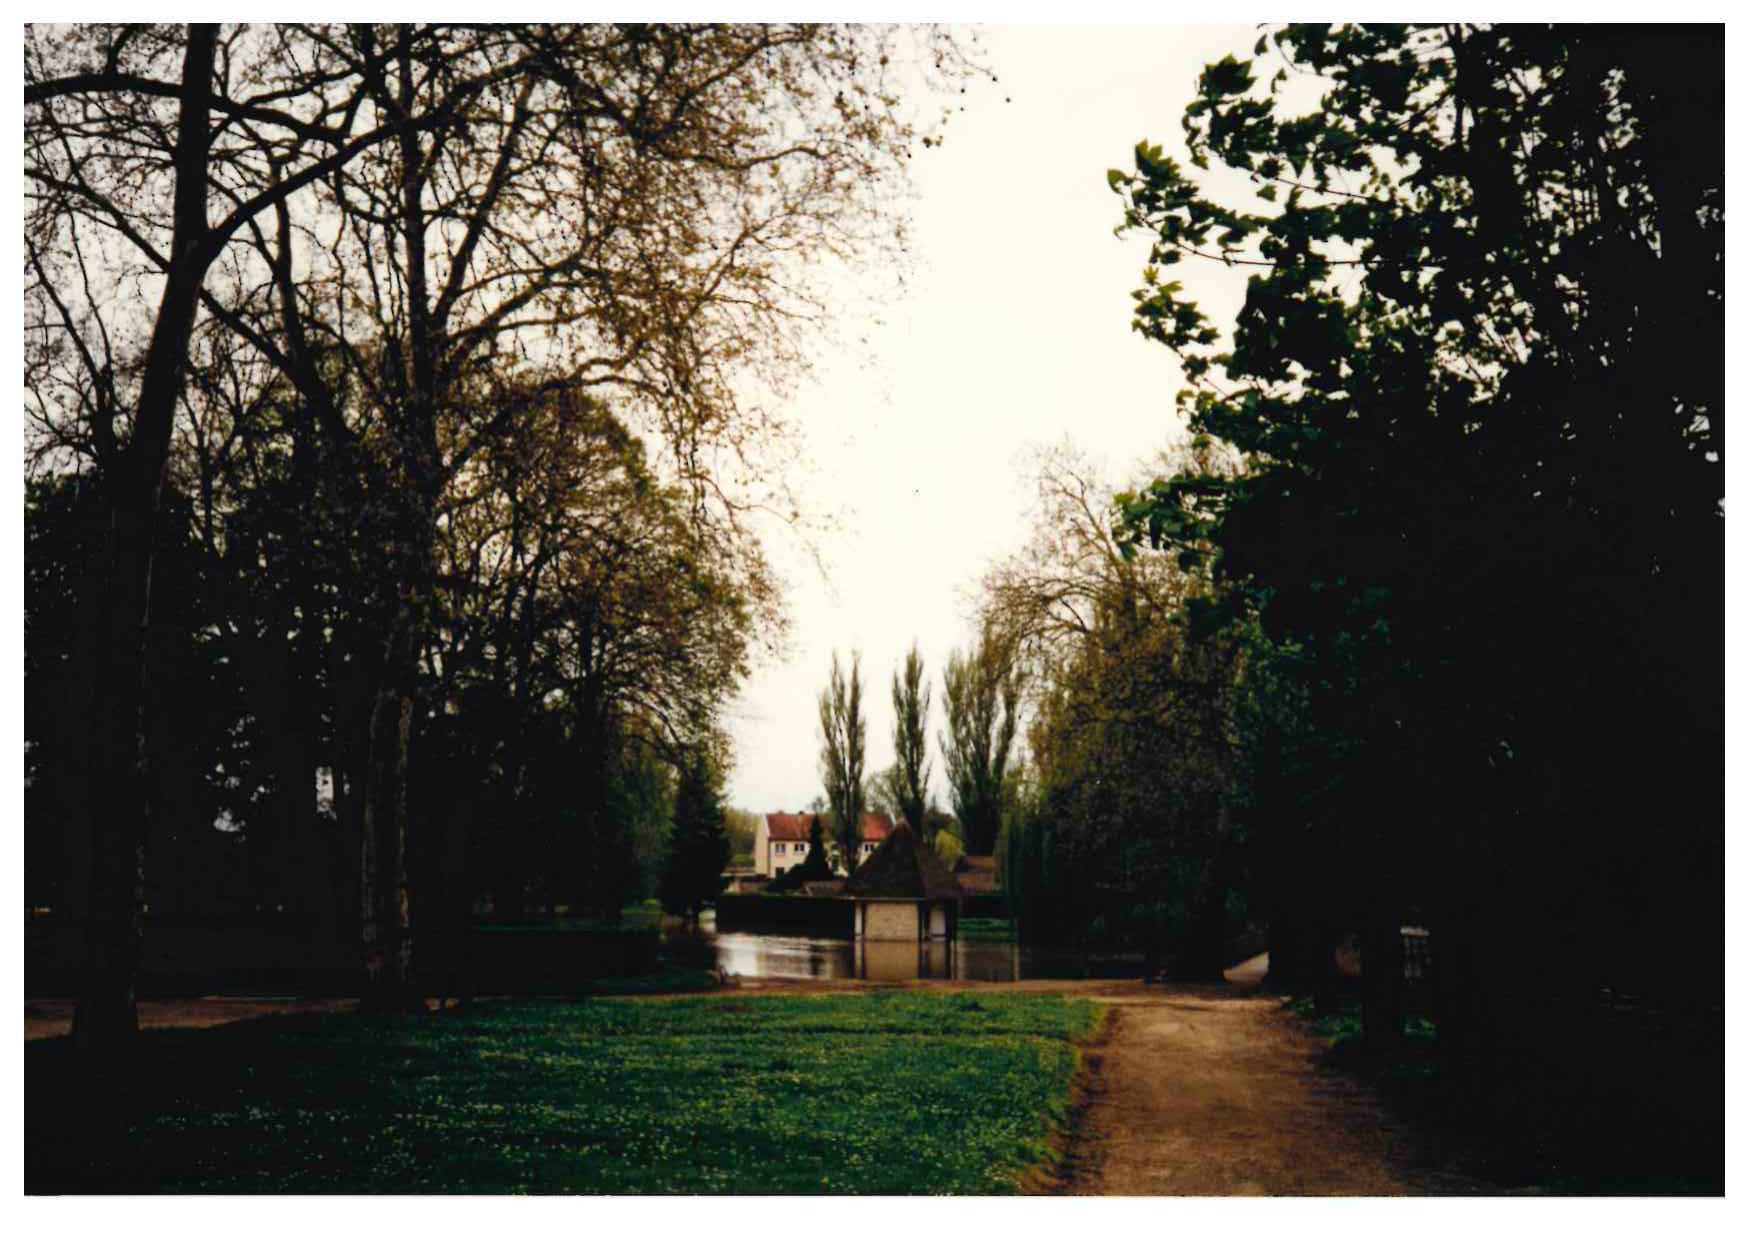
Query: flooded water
(747,953)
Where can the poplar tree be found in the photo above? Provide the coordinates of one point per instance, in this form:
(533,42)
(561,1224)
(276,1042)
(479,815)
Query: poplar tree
(910,740)
(844,732)
(983,688)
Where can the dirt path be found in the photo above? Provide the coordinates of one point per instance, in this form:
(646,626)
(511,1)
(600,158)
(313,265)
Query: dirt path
(1205,1091)
(50,1018)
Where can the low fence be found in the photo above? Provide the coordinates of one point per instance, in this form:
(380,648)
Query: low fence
(827,915)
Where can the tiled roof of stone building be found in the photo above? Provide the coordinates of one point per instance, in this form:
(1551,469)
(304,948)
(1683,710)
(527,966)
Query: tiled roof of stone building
(903,868)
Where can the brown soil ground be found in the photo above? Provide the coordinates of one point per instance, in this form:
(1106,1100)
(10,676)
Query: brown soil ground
(1189,1091)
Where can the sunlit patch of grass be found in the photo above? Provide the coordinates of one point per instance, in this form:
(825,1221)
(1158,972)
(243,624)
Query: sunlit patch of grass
(892,1092)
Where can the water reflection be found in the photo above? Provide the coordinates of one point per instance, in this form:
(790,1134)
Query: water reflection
(747,953)
(878,961)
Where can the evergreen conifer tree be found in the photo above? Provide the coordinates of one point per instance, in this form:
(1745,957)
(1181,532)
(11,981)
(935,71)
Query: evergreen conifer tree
(699,848)
(816,867)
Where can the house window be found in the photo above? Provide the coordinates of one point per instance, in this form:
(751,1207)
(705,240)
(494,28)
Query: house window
(800,848)
(779,848)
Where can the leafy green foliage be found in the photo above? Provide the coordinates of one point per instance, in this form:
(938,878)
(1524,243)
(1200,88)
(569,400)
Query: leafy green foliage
(1122,834)
(878,1093)
(946,842)
(1346,1024)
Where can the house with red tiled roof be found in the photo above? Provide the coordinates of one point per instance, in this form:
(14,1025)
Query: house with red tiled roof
(781,840)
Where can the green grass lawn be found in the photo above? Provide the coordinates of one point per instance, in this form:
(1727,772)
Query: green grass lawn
(890,1092)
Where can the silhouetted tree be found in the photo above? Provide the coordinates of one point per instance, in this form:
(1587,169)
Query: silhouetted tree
(385,195)
(1477,381)
(698,849)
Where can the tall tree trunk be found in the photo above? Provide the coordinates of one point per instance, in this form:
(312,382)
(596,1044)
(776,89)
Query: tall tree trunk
(385,899)
(118,811)
(117,798)
(383,894)
(352,698)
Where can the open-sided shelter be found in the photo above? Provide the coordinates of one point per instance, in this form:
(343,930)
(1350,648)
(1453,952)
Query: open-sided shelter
(903,891)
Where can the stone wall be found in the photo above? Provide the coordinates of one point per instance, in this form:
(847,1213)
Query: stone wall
(893,920)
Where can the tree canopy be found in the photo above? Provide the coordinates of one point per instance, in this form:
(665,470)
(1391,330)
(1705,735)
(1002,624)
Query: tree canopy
(1476,389)
(369,265)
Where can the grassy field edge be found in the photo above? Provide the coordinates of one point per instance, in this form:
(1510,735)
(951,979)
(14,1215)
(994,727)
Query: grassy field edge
(893,1092)
(1069,1157)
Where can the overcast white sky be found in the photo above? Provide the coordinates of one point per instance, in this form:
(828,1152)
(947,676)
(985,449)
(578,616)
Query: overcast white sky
(1013,333)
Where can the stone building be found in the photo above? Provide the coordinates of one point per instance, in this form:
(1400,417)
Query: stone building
(904,893)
